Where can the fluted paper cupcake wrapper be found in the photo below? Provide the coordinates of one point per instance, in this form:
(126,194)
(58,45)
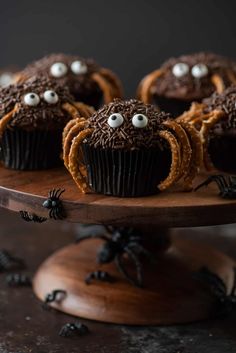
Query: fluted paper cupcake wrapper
(221,150)
(31,150)
(126,173)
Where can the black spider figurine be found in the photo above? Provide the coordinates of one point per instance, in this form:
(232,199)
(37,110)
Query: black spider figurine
(18,280)
(225,303)
(72,329)
(99,276)
(54,204)
(9,262)
(31,217)
(226,185)
(56,296)
(117,243)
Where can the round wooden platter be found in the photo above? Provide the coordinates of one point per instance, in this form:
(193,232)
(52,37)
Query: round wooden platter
(21,190)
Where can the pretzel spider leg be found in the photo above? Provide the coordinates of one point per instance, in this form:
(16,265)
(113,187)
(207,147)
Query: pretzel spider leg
(175,151)
(105,86)
(231,76)
(71,110)
(68,126)
(194,112)
(114,82)
(218,82)
(185,147)
(84,110)
(73,166)
(144,88)
(197,154)
(6,119)
(216,115)
(74,130)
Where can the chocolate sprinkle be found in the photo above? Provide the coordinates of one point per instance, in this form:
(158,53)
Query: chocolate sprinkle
(126,136)
(189,88)
(44,115)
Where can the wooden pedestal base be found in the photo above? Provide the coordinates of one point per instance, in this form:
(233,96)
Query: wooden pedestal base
(171,294)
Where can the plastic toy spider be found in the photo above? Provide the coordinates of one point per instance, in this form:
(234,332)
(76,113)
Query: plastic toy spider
(31,217)
(56,296)
(226,185)
(225,302)
(18,280)
(9,262)
(71,329)
(99,276)
(54,204)
(117,243)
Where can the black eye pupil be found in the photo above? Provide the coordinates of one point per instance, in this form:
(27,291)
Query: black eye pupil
(113,117)
(52,94)
(140,117)
(32,96)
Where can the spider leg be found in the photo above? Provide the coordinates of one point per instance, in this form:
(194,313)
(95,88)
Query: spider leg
(122,270)
(142,250)
(216,284)
(138,265)
(51,193)
(59,192)
(217,178)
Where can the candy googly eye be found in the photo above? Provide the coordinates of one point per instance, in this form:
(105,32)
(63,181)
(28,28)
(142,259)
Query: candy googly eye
(180,70)
(199,71)
(31,99)
(50,97)
(140,120)
(58,70)
(78,67)
(115,120)
(5,79)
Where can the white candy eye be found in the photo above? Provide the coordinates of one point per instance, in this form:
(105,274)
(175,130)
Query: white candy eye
(31,99)
(5,79)
(139,120)
(115,120)
(50,97)
(199,70)
(78,67)
(58,70)
(180,69)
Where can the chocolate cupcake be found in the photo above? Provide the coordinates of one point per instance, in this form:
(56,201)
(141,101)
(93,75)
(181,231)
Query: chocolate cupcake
(126,149)
(185,79)
(87,81)
(221,140)
(32,117)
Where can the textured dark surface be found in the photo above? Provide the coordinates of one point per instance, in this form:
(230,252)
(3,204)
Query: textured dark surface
(25,327)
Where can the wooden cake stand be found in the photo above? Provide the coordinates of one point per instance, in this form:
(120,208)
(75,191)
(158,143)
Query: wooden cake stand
(171,293)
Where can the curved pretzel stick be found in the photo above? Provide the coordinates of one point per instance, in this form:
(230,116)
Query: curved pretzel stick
(194,112)
(186,150)
(114,82)
(218,83)
(174,169)
(232,76)
(71,110)
(74,168)
(84,110)
(75,129)
(6,118)
(105,87)
(69,126)
(216,115)
(197,154)
(143,91)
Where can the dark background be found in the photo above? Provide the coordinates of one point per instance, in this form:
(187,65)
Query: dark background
(130,37)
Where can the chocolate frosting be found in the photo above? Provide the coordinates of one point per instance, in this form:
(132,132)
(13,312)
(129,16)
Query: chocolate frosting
(80,84)
(126,136)
(187,87)
(225,102)
(44,115)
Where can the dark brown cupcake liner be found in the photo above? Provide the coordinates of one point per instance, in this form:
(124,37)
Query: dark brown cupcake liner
(31,150)
(173,106)
(222,152)
(126,173)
